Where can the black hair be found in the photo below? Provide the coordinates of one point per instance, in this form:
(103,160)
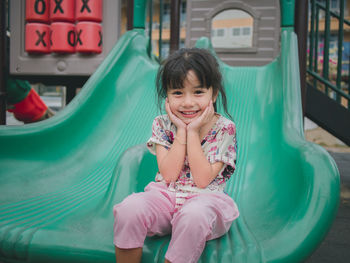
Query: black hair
(174,69)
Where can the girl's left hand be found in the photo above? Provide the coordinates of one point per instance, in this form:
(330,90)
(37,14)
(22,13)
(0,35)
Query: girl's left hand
(203,119)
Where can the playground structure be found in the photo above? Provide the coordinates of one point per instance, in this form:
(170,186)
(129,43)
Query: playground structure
(260,19)
(61,177)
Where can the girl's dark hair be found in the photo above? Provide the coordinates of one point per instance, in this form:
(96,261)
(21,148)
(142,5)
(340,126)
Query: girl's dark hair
(173,72)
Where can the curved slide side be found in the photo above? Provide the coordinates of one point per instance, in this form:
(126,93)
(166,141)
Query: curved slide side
(62,166)
(287,188)
(317,192)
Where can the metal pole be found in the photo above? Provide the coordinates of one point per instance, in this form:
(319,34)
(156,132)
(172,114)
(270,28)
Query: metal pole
(150,25)
(340,48)
(130,14)
(327,33)
(312,34)
(3,68)
(161,10)
(174,25)
(301,28)
(317,30)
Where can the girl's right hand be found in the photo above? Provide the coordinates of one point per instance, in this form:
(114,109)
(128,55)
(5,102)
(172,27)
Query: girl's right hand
(173,118)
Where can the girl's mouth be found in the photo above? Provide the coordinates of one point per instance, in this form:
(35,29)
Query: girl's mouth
(189,114)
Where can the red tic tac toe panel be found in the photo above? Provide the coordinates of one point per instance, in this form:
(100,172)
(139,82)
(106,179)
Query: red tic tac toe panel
(37,11)
(89,37)
(37,38)
(63,37)
(89,10)
(62,10)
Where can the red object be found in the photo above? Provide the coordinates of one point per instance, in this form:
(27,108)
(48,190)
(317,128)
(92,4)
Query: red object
(37,39)
(37,11)
(89,37)
(62,10)
(63,37)
(89,10)
(31,109)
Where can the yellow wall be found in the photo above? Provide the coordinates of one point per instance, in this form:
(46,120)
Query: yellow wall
(228,23)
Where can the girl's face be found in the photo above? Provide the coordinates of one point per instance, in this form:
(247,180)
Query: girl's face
(190,101)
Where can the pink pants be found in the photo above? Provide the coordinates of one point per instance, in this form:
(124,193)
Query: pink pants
(201,218)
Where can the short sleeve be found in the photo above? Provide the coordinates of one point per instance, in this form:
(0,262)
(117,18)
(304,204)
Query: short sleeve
(162,134)
(224,149)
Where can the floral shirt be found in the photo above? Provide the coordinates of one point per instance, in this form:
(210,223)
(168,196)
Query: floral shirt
(219,145)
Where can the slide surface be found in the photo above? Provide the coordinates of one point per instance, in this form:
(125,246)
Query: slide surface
(61,177)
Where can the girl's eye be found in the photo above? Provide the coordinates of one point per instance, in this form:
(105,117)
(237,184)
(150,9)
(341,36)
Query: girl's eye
(199,91)
(177,93)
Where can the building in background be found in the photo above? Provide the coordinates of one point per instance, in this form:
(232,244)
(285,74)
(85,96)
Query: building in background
(232,28)
(156,25)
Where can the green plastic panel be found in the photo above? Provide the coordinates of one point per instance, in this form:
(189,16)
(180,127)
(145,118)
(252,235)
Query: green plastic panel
(61,177)
(287,13)
(140,13)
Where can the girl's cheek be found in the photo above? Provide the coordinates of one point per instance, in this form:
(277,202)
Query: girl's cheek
(172,106)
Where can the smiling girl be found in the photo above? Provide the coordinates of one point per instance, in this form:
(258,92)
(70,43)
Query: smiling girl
(196,155)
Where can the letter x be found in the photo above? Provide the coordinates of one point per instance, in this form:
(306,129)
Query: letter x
(78,37)
(58,6)
(85,6)
(100,43)
(40,38)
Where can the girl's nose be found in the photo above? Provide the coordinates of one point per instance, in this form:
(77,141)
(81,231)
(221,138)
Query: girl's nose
(188,101)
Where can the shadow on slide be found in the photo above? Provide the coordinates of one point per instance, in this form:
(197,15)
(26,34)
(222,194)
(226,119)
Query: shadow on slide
(61,177)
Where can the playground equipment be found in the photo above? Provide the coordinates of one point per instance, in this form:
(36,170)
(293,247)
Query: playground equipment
(61,177)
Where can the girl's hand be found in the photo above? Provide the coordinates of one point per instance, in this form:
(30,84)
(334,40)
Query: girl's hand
(203,119)
(173,118)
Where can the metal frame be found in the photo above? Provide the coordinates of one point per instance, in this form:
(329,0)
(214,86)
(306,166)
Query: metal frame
(3,59)
(312,69)
(328,114)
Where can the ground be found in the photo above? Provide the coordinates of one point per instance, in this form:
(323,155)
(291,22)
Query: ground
(335,247)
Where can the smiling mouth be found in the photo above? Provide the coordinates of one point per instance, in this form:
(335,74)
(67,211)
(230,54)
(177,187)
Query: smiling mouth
(189,114)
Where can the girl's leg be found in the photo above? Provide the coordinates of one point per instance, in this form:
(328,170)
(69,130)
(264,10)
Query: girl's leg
(201,218)
(139,215)
(128,255)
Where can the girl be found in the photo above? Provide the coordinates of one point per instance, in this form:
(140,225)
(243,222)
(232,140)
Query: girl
(196,153)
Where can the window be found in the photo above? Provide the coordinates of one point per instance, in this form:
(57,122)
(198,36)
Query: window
(183,8)
(246,31)
(220,32)
(335,5)
(239,27)
(236,31)
(166,9)
(183,14)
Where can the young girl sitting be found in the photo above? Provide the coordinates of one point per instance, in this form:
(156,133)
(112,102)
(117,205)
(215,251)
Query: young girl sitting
(196,154)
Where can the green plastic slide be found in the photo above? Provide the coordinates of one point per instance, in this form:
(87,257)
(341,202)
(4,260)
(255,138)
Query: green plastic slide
(61,177)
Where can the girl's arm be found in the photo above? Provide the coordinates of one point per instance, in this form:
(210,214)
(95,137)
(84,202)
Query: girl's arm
(170,162)
(203,172)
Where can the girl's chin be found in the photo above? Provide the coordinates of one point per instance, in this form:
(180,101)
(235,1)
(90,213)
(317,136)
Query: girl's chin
(187,121)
